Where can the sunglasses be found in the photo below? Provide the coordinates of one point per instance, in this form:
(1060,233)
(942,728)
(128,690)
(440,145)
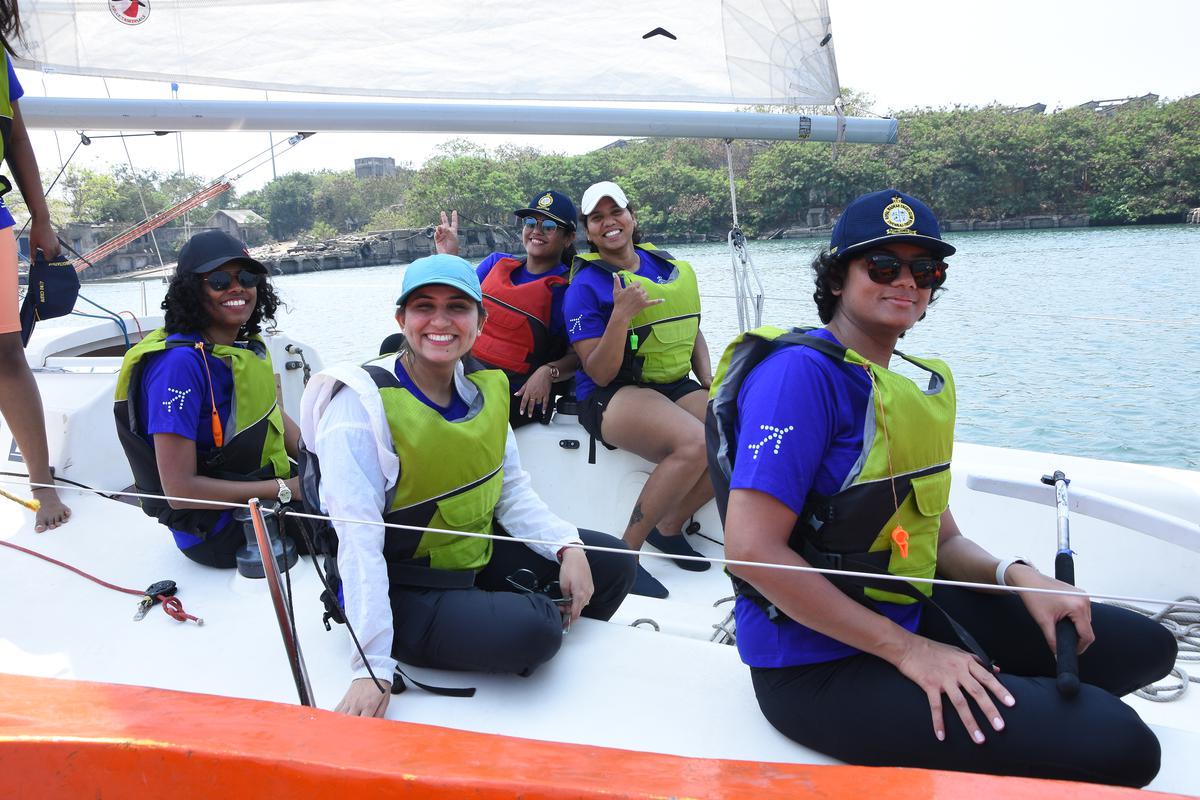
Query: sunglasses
(219,281)
(547,225)
(926,272)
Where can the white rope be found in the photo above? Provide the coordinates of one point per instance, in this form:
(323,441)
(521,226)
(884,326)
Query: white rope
(726,562)
(1184,625)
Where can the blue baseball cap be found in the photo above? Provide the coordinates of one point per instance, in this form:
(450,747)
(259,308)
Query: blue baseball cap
(442,268)
(886,216)
(555,205)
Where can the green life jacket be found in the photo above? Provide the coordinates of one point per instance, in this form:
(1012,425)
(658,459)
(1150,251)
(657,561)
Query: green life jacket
(6,120)
(253,447)
(908,437)
(658,347)
(451,474)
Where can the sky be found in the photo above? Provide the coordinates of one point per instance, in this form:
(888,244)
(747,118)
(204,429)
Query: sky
(924,53)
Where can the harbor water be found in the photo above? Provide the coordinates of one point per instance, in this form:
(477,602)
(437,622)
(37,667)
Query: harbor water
(1080,341)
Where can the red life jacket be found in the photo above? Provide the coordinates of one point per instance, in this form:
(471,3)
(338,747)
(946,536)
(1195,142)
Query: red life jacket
(516,336)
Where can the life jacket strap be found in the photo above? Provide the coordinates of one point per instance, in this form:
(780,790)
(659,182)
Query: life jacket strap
(853,586)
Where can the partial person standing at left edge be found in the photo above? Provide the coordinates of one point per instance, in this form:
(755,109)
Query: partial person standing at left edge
(20,402)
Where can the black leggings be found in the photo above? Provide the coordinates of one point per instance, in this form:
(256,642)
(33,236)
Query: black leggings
(219,548)
(493,627)
(862,710)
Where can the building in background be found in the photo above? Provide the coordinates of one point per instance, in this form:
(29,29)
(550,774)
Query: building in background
(374,167)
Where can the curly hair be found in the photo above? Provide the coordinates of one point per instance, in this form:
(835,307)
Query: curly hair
(829,274)
(637,232)
(184,306)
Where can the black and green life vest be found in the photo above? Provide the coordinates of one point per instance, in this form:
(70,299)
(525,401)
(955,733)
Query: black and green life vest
(451,474)
(660,340)
(254,442)
(6,120)
(908,438)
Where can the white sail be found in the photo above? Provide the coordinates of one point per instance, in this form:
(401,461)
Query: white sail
(725,51)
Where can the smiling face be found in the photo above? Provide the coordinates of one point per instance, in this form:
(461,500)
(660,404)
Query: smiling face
(610,228)
(231,308)
(543,245)
(891,307)
(440,323)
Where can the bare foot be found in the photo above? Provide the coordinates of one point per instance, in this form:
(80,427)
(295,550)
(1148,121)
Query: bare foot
(53,511)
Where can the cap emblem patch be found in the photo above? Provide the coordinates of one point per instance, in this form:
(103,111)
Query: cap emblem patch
(899,216)
(545,201)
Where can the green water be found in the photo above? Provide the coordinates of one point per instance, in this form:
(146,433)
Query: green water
(1084,342)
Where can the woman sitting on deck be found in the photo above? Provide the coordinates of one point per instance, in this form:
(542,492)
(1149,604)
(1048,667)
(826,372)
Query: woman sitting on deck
(525,335)
(831,459)
(634,319)
(196,408)
(421,438)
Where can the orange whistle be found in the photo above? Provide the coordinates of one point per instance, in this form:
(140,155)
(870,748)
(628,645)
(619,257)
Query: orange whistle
(900,537)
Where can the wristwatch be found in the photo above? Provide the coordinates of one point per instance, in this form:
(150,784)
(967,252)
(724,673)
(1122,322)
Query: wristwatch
(285,494)
(554,373)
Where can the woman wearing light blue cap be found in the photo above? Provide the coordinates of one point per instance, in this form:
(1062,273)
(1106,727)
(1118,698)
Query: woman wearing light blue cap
(420,438)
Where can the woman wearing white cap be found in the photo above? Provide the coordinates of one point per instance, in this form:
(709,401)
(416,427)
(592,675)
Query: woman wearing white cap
(824,456)
(633,316)
(384,434)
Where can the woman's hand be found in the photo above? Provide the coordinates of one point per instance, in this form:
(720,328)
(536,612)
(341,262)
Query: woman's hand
(940,669)
(536,391)
(445,236)
(1048,609)
(363,698)
(42,237)
(629,301)
(575,580)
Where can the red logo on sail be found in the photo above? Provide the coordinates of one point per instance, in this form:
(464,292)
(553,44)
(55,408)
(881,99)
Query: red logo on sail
(129,12)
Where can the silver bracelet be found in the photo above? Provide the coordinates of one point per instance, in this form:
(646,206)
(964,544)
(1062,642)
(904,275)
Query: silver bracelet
(1003,566)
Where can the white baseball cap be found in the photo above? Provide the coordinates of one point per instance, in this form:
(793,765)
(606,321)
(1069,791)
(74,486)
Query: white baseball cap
(598,191)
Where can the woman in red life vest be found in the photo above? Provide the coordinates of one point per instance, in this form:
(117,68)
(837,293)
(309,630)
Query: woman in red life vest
(526,334)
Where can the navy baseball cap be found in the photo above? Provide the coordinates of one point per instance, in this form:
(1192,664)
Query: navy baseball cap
(53,288)
(555,205)
(886,216)
(209,250)
(444,269)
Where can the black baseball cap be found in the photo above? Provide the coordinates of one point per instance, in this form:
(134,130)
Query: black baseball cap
(209,250)
(53,288)
(889,215)
(555,205)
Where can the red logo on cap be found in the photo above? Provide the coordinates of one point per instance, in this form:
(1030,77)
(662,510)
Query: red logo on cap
(129,12)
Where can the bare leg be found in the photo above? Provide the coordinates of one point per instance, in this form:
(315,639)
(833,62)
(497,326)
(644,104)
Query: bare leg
(648,424)
(21,406)
(701,492)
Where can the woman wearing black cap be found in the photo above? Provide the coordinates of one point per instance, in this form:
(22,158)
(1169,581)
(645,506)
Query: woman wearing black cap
(525,334)
(196,405)
(20,402)
(825,457)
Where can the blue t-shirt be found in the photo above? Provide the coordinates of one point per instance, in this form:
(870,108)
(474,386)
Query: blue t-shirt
(457,409)
(175,398)
(589,304)
(799,429)
(15,92)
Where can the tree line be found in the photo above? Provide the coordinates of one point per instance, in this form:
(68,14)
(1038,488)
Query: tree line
(1138,163)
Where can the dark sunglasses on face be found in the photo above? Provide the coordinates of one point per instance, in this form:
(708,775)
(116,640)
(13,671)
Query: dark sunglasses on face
(547,225)
(219,281)
(926,272)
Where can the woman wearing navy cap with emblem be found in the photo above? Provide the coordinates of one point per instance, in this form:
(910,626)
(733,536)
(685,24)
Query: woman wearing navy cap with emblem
(196,407)
(633,315)
(421,438)
(823,456)
(20,402)
(525,334)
